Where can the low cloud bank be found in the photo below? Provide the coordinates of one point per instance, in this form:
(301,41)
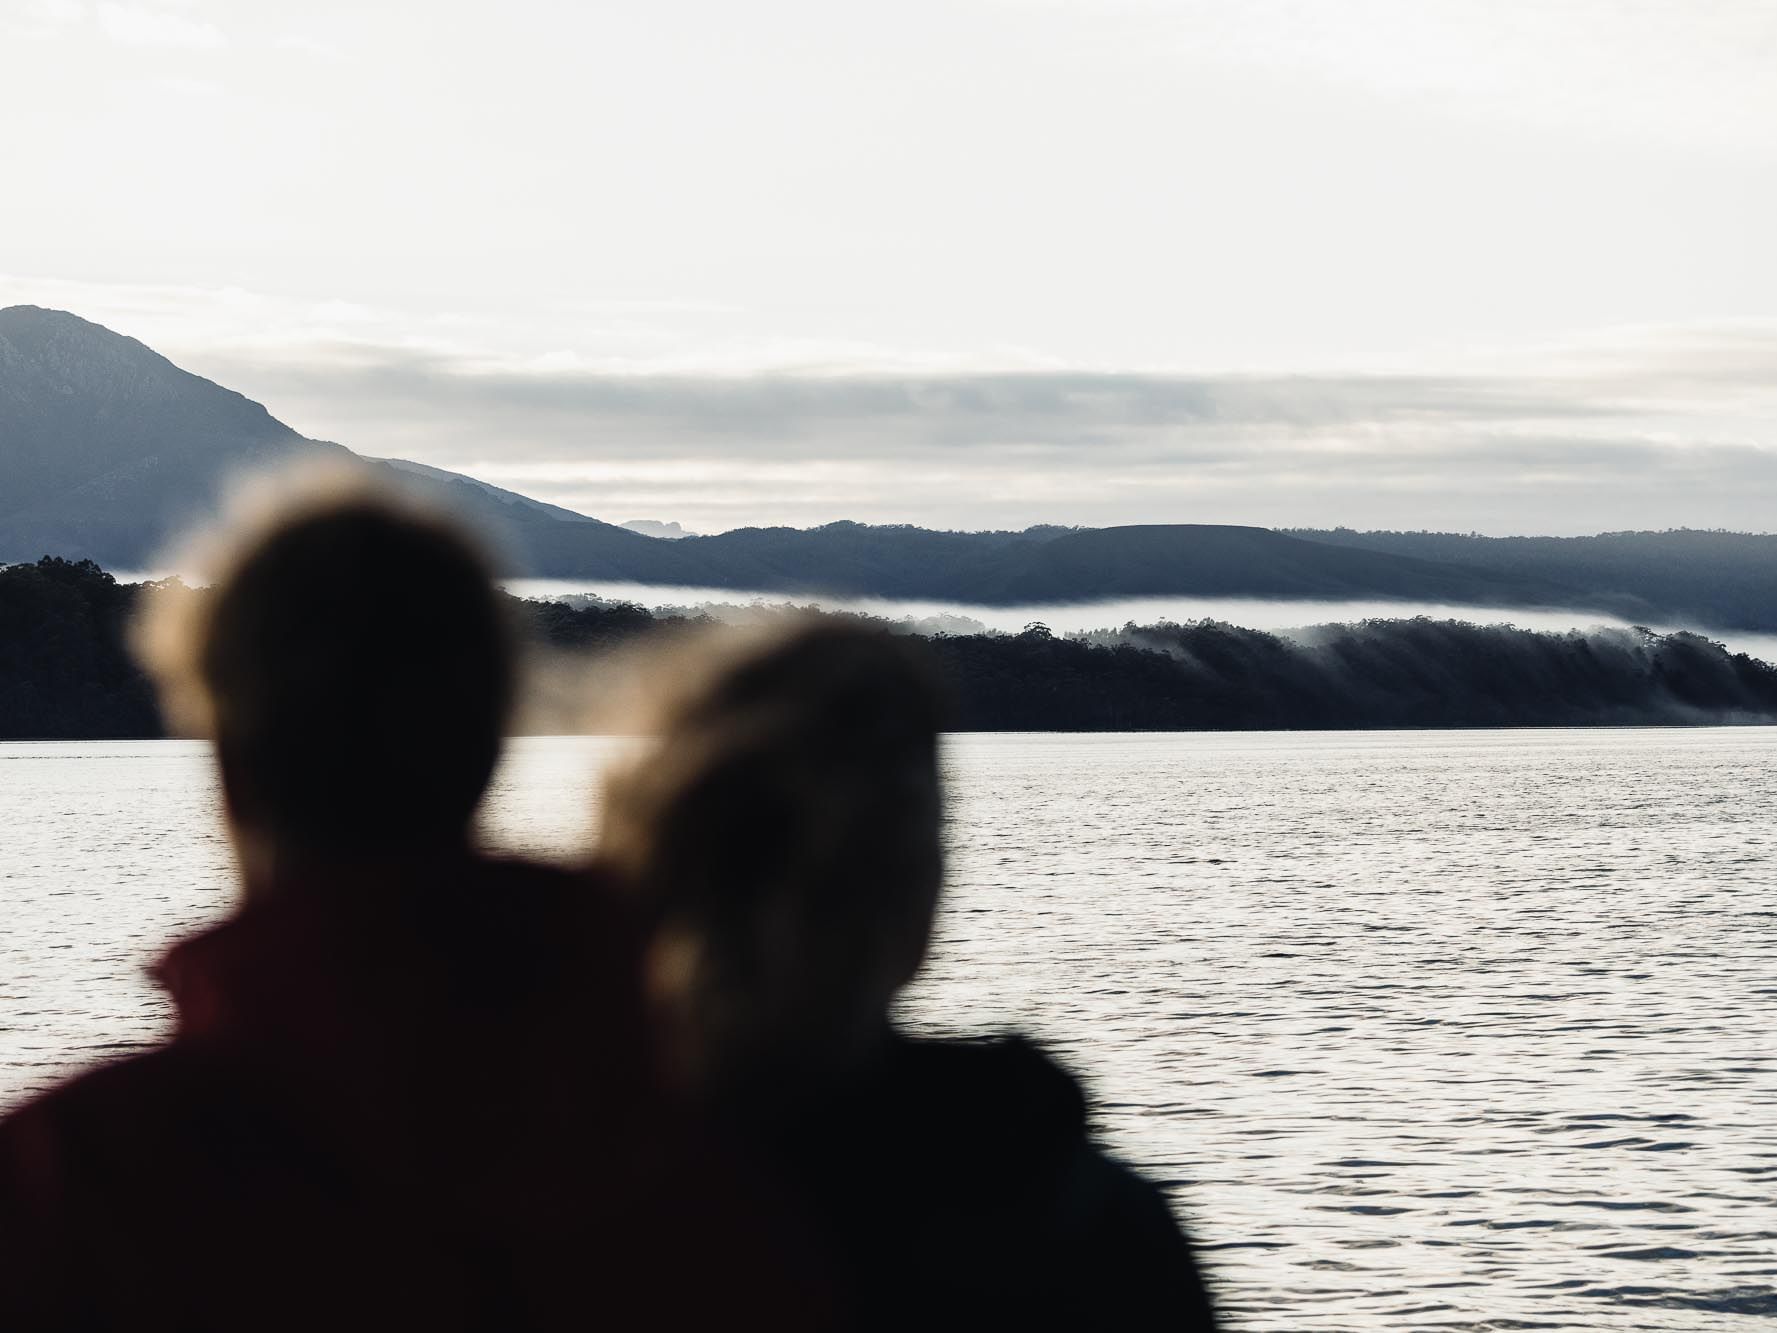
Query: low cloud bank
(1302,620)
(1655,426)
(1676,428)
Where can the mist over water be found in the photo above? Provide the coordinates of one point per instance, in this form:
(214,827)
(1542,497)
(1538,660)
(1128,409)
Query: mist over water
(1290,618)
(1422,1030)
(1280,617)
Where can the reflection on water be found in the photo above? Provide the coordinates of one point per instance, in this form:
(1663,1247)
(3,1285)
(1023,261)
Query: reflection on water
(1453,1030)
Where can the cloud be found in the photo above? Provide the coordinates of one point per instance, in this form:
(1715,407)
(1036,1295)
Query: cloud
(1650,426)
(793,413)
(1618,386)
(135,25)
(1624,439)
(55,12)
(194,89)
(1693,73)
(310,46)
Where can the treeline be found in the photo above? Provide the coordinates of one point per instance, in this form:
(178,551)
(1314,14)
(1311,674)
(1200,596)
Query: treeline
(65,670)
(1373,674)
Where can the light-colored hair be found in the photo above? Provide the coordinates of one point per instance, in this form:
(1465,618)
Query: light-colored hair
(783,832)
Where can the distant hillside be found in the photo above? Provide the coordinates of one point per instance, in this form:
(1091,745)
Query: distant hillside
(106,447)
(1727,580)
(109,452)
(64,672)
(1082,564)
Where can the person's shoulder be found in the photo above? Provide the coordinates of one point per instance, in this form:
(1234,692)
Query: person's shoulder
(112,1112)
(586,890)
(1114,1194)
(986,1115)
(151,1074)
(523,877)
(1134,1254)
(534,904)
(559,939)
(987,1076)
(1011,1143)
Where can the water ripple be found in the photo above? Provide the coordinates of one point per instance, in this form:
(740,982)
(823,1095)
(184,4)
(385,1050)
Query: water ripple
(1466,1031)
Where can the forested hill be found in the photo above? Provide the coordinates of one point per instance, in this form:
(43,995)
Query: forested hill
(65,671)
(1726,580)
(1050,564)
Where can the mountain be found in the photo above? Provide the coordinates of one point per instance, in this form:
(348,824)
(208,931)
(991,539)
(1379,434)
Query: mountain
(1727,580)
(1078,565)
(108,451)
(106,447)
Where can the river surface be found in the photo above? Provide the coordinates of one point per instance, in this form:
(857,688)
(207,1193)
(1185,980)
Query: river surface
(1421,1030)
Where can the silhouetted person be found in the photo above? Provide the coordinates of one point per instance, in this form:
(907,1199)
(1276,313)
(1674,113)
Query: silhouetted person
(784,836)
(408,1086)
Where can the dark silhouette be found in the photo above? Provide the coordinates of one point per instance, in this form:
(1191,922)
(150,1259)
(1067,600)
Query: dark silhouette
(784,836)
(1373,674)
(65,668)
(409,1085)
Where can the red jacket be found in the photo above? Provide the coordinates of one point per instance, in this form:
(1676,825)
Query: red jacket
(420,1102)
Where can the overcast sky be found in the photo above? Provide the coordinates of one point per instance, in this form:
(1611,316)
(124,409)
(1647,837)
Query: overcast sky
(1502,265)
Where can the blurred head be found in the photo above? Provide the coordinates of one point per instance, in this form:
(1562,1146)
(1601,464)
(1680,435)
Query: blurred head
(784,835)
(354,667)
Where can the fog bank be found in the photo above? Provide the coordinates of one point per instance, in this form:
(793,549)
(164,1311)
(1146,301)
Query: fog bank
(1294,619)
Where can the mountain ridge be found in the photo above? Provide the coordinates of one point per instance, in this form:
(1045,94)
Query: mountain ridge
(109,451)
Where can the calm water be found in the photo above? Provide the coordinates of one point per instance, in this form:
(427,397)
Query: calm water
(1455,1030)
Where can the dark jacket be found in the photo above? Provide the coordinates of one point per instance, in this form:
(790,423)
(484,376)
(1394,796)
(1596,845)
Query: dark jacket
(957,1186)
(413,1104)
